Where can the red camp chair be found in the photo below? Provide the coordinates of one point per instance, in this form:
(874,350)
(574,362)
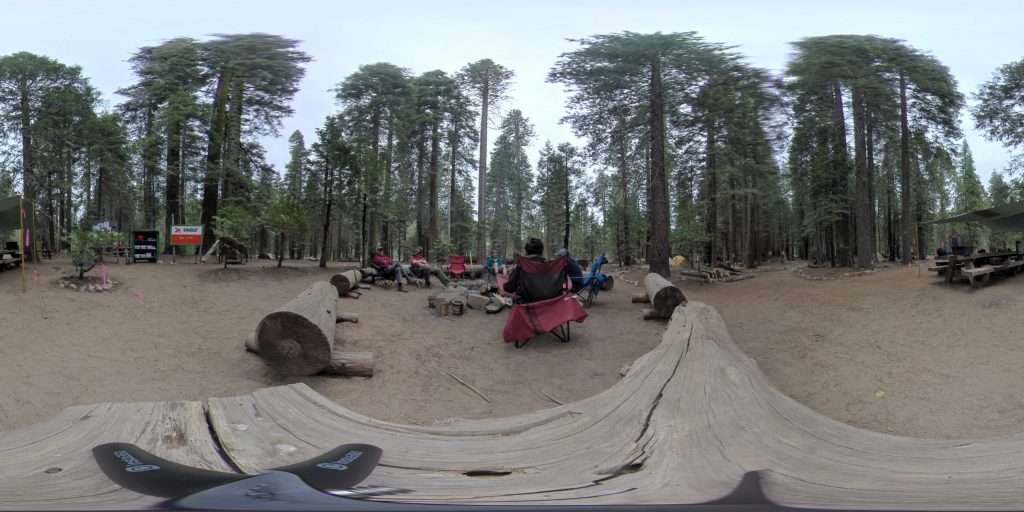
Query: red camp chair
(457,265)
(544,302)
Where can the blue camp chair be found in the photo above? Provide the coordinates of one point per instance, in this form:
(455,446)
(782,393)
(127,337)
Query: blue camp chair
(589,285)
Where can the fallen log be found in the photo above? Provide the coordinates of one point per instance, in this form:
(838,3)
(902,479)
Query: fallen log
(609,283)
(297,339)
(664,295)
(346,281)
(342,364)
(641,298)
(367,274)
(350,364)
(352,295)
(347,317)
(650,314)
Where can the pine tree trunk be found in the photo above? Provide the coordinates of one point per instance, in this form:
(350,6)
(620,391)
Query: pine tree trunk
(172,189)
(842,229)
(658,200)
(906,195)
(214,148)
(233,150)
(711,219)
(149,164)
(864,255)
(485,96)
(435,155)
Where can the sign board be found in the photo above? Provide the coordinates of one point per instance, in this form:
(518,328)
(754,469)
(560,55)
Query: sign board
(186,235)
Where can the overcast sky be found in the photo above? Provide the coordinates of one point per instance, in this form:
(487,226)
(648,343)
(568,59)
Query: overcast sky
(972,38)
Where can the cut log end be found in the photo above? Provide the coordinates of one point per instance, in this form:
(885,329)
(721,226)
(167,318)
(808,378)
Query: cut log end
(346,281)
(664,295)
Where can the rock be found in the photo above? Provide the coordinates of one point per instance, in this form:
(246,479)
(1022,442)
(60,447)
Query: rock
(477,301)
(63,284)
(73,286)
(493,307)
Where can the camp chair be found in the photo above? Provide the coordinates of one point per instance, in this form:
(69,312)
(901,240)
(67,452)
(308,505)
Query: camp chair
(457,265)
(589,285)
(543,302)
(382,276)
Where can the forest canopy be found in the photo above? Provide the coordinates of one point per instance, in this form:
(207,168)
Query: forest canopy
(684,148)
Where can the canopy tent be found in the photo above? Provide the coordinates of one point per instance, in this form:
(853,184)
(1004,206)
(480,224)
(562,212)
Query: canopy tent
(1008,217)
(9,209)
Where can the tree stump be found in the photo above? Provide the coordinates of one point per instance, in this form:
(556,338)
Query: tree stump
(609,283)
(664,295)
(346,281)
(298,338)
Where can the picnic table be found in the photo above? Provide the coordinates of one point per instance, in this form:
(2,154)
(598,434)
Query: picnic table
(977,266)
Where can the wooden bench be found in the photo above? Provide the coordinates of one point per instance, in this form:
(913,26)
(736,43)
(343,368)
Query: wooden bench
(985,271)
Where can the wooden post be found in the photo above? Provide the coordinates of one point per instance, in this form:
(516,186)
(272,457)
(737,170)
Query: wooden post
(297,339)
(664,295)
(346,281)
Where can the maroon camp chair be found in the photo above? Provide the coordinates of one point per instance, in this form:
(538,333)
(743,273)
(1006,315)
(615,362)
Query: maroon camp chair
(457,265)
(544,302)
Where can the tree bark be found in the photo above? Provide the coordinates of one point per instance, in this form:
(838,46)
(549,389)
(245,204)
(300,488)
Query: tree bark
(906,194)
(658,200)
(663,295)
(233,150)
(841,232)
(298,338)
(211,181)
(485,96)
(172,188)
(435,154)
(711,219)
(861,171)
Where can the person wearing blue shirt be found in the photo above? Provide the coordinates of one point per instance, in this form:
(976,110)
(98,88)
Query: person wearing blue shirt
(494,266)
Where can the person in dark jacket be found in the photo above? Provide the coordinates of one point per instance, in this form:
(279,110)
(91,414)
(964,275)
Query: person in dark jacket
(573,267)
(534,251)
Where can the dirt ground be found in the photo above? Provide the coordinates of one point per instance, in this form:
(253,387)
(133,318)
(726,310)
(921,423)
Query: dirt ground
(893,350)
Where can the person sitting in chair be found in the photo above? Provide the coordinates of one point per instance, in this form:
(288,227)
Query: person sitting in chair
(494,266)
(575,272)
(421,268)
(384,265)
(534,251)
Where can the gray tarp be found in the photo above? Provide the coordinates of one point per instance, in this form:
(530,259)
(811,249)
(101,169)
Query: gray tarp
(1009,217)
(9,214)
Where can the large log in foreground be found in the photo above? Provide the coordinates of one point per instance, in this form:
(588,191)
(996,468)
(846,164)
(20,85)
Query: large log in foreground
(695,396)
(664,295)
(297,339)
(346,281)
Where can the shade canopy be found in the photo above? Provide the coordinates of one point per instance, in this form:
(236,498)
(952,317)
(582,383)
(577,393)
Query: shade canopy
(1008,217)
(9,213)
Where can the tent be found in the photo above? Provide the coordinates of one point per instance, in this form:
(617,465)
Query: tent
(10,219)
(1009,217)
(9,209)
